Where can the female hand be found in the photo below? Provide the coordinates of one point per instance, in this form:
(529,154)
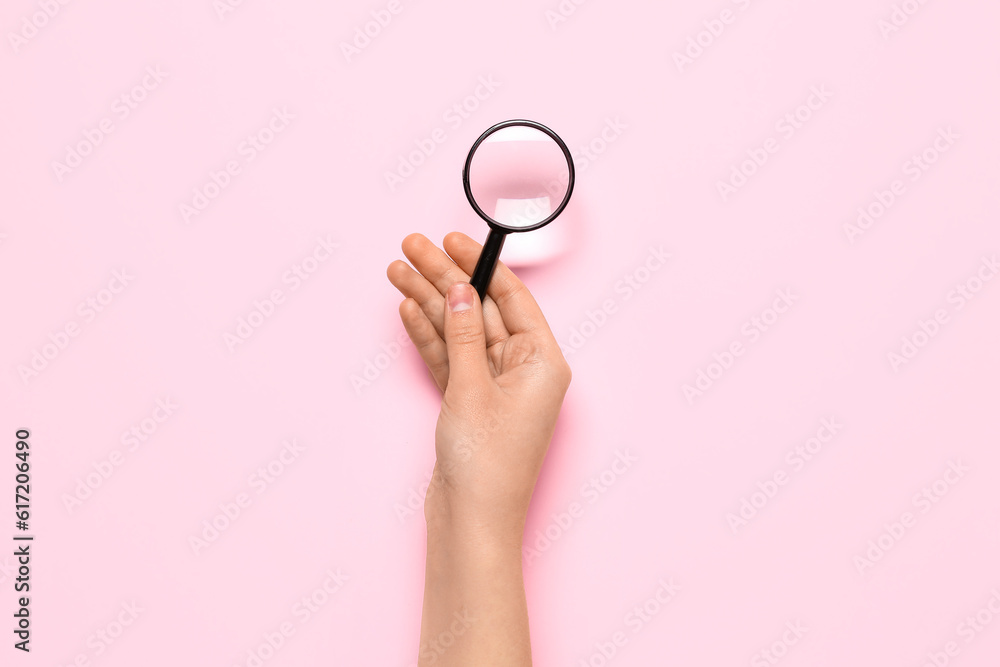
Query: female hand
(503,379)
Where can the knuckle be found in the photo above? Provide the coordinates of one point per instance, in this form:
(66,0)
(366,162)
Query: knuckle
(439,367)
(510,290)
(564,374)
(495,339)
(465,336)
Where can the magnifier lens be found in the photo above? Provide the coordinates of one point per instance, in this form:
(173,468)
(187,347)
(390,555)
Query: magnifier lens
(519,176)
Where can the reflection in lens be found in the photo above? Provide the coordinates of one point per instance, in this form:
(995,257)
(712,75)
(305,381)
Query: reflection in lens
(519,176)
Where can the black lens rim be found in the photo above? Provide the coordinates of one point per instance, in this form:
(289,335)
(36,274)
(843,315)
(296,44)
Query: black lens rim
(468,165)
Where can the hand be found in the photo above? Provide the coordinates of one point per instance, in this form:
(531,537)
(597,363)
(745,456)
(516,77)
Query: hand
(502,375)
(503,379)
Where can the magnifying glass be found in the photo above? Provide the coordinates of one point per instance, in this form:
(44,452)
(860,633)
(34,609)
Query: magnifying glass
(519,176)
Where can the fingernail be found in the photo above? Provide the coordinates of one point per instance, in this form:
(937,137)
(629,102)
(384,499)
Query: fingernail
(460,297)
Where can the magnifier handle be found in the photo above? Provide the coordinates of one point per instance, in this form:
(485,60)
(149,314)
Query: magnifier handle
(487,262)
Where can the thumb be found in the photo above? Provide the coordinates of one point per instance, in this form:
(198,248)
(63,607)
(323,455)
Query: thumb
(465,338)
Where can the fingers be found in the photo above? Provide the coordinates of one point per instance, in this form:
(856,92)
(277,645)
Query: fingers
(517,307)
(437,273)
(427,341)
(465,338)
(415,286)
(432,263)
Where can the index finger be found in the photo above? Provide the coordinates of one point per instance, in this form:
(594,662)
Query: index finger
(518,308)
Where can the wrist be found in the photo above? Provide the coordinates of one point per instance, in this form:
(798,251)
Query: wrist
(452,520)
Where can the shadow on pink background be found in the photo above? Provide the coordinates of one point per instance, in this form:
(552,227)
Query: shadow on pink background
(780,444)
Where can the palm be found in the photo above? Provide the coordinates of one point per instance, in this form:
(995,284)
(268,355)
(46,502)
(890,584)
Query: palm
(508,362)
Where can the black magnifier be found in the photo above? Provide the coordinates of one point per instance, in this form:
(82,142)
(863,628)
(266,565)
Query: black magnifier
(519,176)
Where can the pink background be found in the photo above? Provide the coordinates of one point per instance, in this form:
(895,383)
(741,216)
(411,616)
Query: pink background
(364,447)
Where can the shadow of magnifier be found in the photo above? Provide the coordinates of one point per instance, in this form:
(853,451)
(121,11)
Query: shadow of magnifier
(519,176)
